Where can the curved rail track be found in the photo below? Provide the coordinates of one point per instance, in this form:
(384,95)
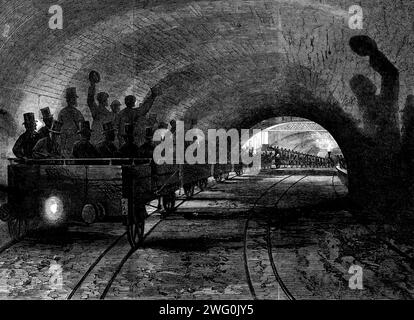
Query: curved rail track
(120,265)
(276,274)
(251,212)
(268,242)
(269,246)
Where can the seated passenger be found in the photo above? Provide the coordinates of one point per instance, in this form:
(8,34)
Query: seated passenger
(83,149)
(129,149)
(147,149)
(23,148)
(107,148)
(47,118)
(49,147)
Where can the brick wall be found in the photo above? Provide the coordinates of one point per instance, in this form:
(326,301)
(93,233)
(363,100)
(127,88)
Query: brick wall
(227,63)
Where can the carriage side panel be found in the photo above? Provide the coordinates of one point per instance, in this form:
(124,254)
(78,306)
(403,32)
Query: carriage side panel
(104,188)
(68,183)
(23,181)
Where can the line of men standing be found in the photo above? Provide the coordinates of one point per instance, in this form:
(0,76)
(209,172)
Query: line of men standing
(70,136)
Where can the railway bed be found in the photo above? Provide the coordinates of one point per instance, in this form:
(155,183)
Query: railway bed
(314,240)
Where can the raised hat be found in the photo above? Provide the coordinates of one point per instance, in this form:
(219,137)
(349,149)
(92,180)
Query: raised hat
(56,127)
(94,76)
(107,126)
(71,92)
(84,126)
(46,113)
(29,117)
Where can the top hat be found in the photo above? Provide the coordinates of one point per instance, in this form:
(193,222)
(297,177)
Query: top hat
(29,118)
(84,126)
(94,76)
(107,126)
(148,133)
(56,127)
(46,113)
(162,125)
(128,130)
(71,92)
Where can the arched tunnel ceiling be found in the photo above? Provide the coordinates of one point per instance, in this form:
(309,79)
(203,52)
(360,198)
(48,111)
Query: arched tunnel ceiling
(225,63)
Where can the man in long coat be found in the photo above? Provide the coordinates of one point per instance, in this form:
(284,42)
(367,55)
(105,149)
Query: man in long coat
(70,116)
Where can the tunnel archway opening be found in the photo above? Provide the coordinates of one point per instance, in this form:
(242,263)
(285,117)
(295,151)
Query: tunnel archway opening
(294,143)
(298,134)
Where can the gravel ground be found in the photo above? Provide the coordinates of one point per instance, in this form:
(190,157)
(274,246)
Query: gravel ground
(315,241)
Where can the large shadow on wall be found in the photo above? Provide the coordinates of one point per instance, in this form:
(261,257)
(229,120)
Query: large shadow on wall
(294,97)
(366,185)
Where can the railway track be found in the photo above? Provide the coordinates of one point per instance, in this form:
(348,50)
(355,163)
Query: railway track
(119,264)
(390,245)
(269,243)
(125,258)
(269,246)
(8,245)
(246,227)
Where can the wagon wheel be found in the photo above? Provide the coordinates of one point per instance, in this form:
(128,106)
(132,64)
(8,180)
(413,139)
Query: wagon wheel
(189,190)
(168,202)
(219,177)
(205,183)
(135,227)
(216,177)
(17,228)
(202,184)
(5,214)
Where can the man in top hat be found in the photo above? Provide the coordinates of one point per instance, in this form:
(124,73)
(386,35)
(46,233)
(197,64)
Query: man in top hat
(147,149)
(83,149)
(99,111)
(107,148)
(129,149)
(23,148)
(47,118)
(49,147)
(131,115)
(70,116)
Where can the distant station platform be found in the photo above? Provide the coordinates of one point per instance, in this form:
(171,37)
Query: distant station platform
(300,171)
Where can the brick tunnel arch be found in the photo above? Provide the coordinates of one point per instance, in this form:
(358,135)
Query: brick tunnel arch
(250,101)
(219,60)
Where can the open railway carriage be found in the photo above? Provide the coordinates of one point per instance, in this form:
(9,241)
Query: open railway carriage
(57,192)
(221,172)
(194,175)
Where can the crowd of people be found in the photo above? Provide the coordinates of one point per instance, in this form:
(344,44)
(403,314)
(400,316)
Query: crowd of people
(280,157)
(71,136)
